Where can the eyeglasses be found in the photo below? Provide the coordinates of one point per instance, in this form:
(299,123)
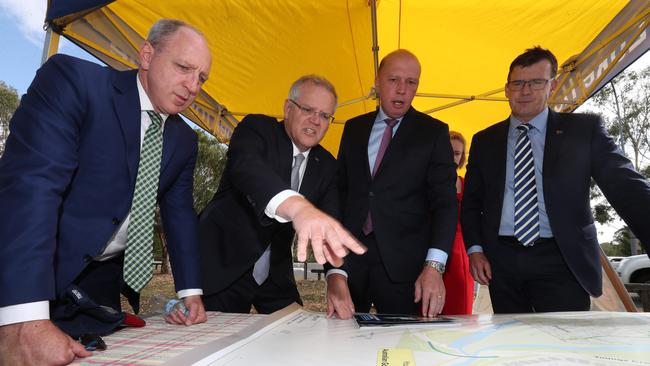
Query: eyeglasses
(309,111)
(535,84)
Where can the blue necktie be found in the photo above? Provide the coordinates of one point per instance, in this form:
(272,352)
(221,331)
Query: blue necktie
(526,209)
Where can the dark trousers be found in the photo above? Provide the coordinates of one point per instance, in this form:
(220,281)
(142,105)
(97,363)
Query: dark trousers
(239,296)
(102,281)
(533,279)
(370,285)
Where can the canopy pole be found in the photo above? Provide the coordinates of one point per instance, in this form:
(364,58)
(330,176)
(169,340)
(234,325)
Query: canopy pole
(622,293)
(51,44)
(375,42)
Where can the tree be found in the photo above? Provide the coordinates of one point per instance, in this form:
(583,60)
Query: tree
(622,243)
(210,163)
(625,103)
(8,103)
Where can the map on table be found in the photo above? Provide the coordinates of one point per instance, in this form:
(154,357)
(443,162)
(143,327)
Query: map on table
(575,338)
(297,337)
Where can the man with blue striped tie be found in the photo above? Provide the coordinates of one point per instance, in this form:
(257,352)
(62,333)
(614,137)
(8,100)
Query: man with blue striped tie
(526,216)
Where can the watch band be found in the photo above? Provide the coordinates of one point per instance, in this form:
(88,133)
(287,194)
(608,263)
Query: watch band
(438,266)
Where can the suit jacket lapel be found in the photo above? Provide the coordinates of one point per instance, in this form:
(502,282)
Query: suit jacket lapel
(312,173)
(127,108)
(400,137)
(285,153)
(500,143)
(169,140)
(365,130)
(553,144)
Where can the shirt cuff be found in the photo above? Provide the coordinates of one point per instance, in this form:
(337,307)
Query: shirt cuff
(20,313)
(189,292)
(475,249)
(437,255)
(276,201)
(336,271)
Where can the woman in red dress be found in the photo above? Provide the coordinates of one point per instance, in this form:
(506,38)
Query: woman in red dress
(459,284)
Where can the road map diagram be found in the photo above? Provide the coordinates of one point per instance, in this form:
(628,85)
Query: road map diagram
(294,336)
(576,338)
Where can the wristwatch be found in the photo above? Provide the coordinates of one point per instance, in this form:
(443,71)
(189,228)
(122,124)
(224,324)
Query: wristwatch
(438,266)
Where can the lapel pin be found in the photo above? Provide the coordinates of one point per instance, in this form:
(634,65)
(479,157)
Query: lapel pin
(559,132)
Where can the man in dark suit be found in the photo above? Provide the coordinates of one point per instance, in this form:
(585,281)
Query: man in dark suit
(245,241)
(526,216)
(68,180)
(397,185)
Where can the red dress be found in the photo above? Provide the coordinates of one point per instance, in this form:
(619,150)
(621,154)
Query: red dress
(459,284)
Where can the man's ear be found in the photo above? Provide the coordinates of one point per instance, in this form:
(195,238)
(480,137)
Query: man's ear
(146,55)
(287,105)
(553,85)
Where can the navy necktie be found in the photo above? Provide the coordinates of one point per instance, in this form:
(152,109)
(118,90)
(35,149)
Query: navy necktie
(526,208)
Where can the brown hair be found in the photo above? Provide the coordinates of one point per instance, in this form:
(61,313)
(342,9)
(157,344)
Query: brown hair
(533,56)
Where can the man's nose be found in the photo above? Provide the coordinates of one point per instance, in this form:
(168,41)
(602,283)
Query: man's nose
(401,87)
(193,83)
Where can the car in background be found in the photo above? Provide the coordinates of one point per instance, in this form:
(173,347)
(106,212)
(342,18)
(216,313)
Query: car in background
(615,261)
(634,269)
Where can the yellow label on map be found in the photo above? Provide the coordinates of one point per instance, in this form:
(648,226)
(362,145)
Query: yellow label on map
(395,357)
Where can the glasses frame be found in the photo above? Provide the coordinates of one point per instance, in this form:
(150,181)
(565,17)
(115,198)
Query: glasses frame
(534,84)
(309,111)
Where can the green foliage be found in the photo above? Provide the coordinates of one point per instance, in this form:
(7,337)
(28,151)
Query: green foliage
(621,244)
(624,104)
(210,163)
(8,103)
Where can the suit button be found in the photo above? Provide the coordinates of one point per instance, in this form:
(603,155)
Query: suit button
(371,194)
(115,221)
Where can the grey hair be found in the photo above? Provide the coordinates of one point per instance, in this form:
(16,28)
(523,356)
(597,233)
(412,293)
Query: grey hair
(164,29)
(294,91)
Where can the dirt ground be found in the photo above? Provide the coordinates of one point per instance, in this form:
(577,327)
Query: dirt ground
(312,292)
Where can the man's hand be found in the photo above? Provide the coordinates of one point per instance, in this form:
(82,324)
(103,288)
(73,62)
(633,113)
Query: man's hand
(430,288)
(37,342)
(194,305)
(339,301)
(329,240)
(480,268)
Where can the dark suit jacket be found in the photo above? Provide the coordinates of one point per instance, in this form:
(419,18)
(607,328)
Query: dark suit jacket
(412,198)
(67,178)
(234,231)
(577,148)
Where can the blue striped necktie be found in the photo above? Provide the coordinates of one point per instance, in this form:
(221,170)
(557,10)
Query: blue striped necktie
(526,209)
(138,256)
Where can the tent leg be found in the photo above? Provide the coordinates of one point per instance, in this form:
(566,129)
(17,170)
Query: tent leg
(617,283)
(51,44)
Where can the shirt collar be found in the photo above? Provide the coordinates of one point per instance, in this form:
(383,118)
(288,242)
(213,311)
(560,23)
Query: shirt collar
(538,122)
(145,102)
(297,151)
(381,116)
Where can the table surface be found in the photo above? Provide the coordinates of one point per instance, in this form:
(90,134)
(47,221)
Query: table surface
(297,337)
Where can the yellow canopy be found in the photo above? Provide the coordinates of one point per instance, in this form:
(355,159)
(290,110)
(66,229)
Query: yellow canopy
(465,47)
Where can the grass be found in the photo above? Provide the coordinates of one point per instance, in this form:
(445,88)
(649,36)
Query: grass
(312,292)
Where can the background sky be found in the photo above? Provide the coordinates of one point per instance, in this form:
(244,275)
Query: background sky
(21,45)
